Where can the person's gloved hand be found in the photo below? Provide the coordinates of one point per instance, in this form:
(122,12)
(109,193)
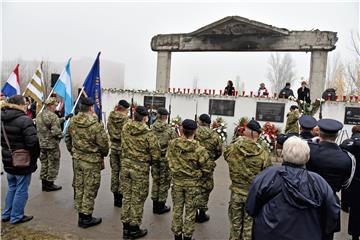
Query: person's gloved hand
(68,116)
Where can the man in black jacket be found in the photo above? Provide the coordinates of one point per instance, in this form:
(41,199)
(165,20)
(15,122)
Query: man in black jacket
(21,134)
(304,93)
(286,92)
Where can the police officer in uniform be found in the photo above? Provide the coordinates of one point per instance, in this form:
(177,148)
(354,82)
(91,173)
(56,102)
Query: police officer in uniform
(329,160)
(307,124)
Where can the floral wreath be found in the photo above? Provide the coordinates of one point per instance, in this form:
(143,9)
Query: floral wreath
(219,126)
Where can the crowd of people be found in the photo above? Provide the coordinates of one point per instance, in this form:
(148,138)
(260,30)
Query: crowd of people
(296,200)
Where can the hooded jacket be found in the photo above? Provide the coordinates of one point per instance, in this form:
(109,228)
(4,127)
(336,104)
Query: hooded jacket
(288,202)
(164,133)
(209,139)
(86,138)
(21,132)
(116,122)
(188,162)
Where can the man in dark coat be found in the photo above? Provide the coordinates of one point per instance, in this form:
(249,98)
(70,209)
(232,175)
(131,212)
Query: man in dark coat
(21,134)
(304,93)
(329,160)
(353,146)
(290,202)
(286,92)
(307,124)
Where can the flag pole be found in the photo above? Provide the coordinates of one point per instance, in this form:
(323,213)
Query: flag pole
(73,109)
(43,106)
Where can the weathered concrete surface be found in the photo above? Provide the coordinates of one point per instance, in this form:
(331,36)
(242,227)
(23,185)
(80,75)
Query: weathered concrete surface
(55,216)
(318,64)
(163,70)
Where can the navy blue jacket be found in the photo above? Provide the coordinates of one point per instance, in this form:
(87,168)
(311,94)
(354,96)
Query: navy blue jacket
(288,202)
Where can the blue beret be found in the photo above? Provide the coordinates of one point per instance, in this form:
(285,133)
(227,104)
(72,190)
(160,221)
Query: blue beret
(307,122)
(329,126)
(142,111)
(254,125)
(124,103)
(162,111)
(189,124)
(87,101)
(205,118)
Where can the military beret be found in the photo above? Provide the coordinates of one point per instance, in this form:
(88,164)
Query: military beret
(142,110)
(51,101)
(254,125)
(205,118)
(87,101)
(293,107)
(307,122)
(124,103)
(162,111)
(189,124)
(329,126)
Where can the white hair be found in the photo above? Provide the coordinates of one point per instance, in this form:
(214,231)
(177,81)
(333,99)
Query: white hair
(296,151)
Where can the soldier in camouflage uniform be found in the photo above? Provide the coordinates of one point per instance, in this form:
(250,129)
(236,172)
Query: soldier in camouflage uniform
(211,141)
(246,158)
(48,126)
(160,171)
(188,162)
(117,119)
(88,144)
(292,121)
(139,149)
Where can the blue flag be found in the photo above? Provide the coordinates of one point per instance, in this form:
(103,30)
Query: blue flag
(63,88)
(92,86)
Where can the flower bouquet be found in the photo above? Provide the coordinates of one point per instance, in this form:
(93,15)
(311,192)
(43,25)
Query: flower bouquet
(176,123)
(219,125)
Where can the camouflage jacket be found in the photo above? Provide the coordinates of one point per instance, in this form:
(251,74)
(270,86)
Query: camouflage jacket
(188,162)
(245,159)
(86,138)
(115,125)
(139,144)
(210,140)
(164,132)
(292,122)
(49,129)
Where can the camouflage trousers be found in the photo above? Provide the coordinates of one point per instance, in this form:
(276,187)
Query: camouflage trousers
(115,164)
(161,177)
(86,185)
(240,221)
(184,199)
(206,187)
(135,187)
(50,163)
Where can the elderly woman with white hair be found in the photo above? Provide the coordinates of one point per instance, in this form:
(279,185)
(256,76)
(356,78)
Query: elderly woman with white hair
(290,202)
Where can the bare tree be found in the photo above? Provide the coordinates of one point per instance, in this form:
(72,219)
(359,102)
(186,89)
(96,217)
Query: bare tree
(281,70)
(335,75)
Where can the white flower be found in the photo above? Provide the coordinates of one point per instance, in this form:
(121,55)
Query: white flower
(224,129)
(218,130)
(221,124)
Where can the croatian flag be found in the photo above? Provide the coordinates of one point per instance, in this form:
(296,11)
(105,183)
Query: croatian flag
(63,88)
(12,86)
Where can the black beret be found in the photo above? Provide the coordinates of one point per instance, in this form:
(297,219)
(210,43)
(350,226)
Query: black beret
(124,103)
(254,126)
(162,111)
(329,126)
(283,137)
(293,107)
(205,118)
(87,101)
(189,124)
(142,110)
(307,122)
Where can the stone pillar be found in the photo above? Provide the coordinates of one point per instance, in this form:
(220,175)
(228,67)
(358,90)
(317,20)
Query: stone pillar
(163,70)
(317,73)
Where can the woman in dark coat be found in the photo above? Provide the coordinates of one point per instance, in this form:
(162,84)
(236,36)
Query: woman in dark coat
(229,89)
(288,202)
(21,134)
(353,192)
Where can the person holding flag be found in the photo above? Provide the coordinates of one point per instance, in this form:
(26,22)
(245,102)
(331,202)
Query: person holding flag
(12,86)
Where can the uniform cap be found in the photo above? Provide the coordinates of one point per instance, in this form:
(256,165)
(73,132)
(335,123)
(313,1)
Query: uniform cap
(162,111)
(329,126)
(205,118)
(307,122)
(254,125)
(189,124)
(124,103)
(142,110)
(51,101)
(87,101)
(293,107)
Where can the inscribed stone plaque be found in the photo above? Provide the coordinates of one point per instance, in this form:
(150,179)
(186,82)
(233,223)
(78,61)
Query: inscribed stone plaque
(270,112)
(352,115)
(221,107)
(152,102)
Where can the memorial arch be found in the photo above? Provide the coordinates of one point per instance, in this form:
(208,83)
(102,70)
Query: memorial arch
(240,34)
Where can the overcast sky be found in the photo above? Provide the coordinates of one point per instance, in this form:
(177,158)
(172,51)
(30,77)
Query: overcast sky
(122,32)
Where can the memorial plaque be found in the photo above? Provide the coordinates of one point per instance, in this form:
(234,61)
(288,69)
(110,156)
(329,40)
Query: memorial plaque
(270,112)
(221,107)
(153,102)
(352,115)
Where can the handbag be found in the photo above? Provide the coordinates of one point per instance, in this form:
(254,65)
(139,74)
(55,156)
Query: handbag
(20,158)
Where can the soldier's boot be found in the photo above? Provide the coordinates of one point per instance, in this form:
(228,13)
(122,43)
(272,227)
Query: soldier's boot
(126,230)
(50,187)
(88,221)
(43,185)
(136,232)
(118,200)
(162,208)
(178,237)
(155,207)
(188,238)
(201,216)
